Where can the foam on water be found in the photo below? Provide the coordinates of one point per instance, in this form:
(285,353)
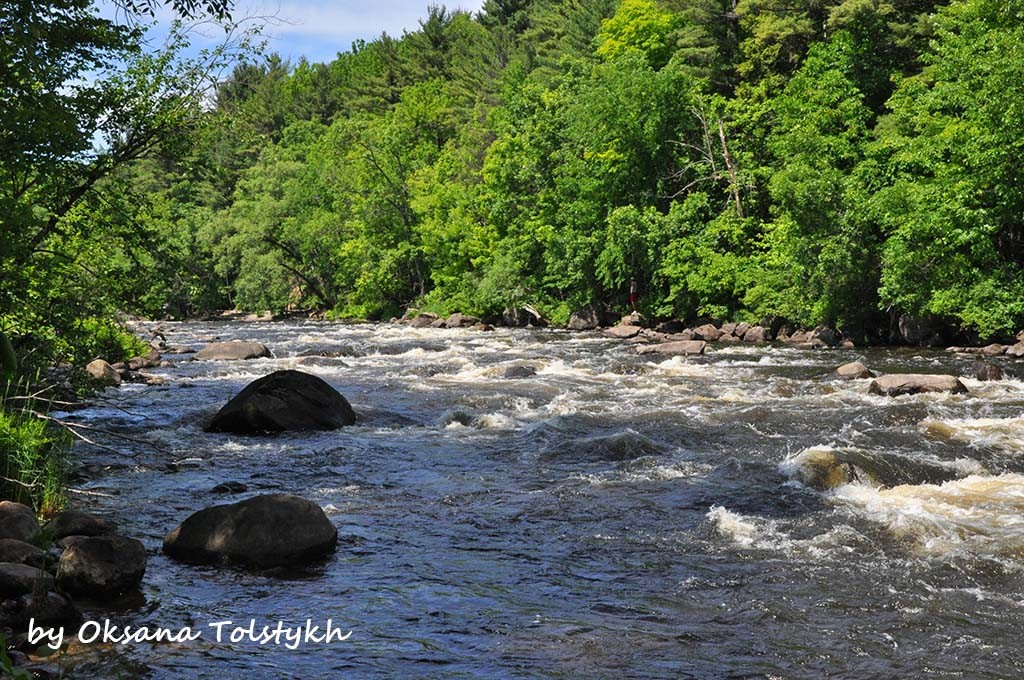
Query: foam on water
(1006,434)
(980,515)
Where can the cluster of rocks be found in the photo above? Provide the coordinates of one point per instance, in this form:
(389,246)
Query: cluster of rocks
(133,370)
(88,561)
(898,384)
(673,337)
(995,349)
(84,559)
(431,320)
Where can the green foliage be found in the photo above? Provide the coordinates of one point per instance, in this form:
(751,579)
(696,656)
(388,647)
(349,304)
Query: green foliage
(951,211)
(33,458)
(639,26)
(825,162)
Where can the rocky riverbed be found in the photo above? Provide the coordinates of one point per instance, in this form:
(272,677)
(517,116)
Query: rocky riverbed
(540,503)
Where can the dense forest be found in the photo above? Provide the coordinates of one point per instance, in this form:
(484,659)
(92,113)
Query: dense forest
(836,162)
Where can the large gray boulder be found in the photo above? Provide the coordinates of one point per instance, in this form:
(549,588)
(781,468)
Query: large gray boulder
(590,318)
(102,372)
(623,331)
(284,400)
(17,521)
(756,334)
(99,567)
(460,320)
(264,531)
(915,383)
(234,351)
(854,370)
(708,332)
(424,320)
(679,347)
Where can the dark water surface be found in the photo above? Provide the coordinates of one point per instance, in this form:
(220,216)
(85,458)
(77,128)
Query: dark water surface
(614,516)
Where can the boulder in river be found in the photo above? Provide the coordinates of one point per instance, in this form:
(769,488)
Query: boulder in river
(264,531)
(854,370)
(234,351)
(460,320)
(590,318)
(623,331)
(986,370)
(679,347)
(757,334)
(102,566)
(284,400)
(100,371)
(17,521)
(707,332)
(423,320)
(520,372)
(78,523)
(915,383)
(19,579)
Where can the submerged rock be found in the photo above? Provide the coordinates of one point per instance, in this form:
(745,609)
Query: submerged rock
(234,351)
(854,370)
(102,566)
(826,468)
(986,370)
(679,347)
(271,530)
(284,400)
(17,521)
(915,383)
(519,372)
(230,487)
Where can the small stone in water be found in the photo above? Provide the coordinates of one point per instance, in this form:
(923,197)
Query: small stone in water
(230,487)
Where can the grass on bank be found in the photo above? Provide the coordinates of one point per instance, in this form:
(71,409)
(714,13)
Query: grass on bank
(34,460)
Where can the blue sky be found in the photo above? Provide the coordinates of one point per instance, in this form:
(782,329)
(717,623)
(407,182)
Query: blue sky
(319,29)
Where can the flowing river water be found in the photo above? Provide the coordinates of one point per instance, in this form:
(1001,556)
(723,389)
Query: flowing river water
(612,516)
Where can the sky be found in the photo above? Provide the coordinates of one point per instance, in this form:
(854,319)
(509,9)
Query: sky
(319,29)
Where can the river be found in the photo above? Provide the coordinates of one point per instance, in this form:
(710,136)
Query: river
(612,516)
